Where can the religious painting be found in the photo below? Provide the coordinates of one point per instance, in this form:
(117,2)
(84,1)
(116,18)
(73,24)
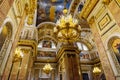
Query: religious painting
(46,54)
(50,10)
(47,44)
(84,56)
(116,48)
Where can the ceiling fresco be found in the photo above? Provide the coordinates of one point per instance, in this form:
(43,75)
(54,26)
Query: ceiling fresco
(50,10)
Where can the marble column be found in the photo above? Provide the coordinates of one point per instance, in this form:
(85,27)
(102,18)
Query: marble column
(72,63)
(15,70)
(14,44)
(101,50)
(23,72)
(53,75)
(19,69)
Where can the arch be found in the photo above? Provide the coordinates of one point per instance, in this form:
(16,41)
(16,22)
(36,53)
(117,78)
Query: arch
(82,46)
(9,26)
(6,44)
(8,20)
(114,47)
(86,42)
(111,54)
(46,36)
(109,38)
(52,23)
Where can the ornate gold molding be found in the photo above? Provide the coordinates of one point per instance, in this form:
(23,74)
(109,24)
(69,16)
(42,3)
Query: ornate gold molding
(106,2)
(69,48)
(29,43)
(91,20)
(88,7)
(30,10)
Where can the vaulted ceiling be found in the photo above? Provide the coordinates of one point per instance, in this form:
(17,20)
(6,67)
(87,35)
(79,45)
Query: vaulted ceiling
(48,11)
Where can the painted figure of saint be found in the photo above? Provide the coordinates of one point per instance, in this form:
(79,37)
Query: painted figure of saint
(118,47)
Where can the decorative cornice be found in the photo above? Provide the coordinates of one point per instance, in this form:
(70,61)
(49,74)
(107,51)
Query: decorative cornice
(88,7)
(65,48)
(90,62)
(91,20)
(106,2)
(30,43)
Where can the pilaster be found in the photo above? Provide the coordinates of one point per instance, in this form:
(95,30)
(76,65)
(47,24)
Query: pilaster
(101,50)
(70,54)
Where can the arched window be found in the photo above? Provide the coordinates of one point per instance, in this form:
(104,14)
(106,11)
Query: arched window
(82,46)
(84,50)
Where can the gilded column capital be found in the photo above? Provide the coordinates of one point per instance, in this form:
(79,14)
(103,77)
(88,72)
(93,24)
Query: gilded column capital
(91,20)
(26,50)
(106,2)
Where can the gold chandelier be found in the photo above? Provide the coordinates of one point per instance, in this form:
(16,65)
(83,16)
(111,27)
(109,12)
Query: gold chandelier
(67,29)
(96,70)
(47,68)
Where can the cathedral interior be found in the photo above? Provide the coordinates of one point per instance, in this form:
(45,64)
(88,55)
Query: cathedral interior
(59,39)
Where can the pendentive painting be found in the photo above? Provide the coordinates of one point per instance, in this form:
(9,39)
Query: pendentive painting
(47,44)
